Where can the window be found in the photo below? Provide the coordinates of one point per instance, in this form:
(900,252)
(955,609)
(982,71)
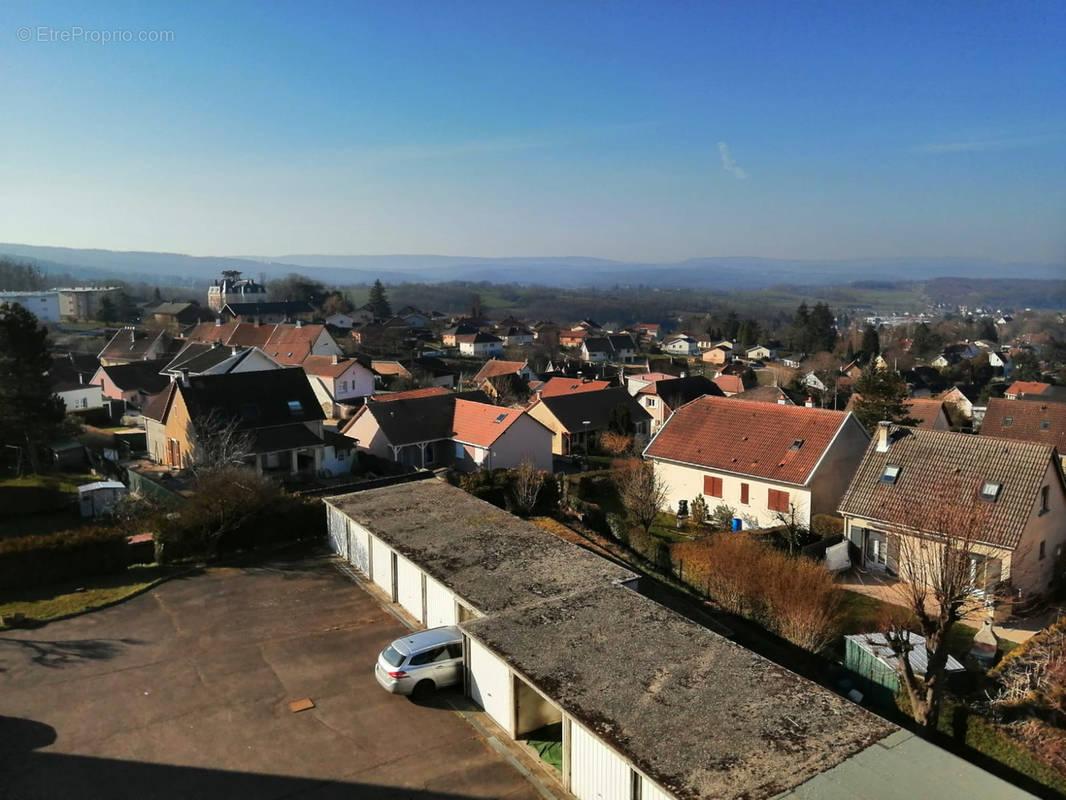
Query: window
(500,419)
(744,493)
(797,444)
(890,473)
(455,650)
(650,402)
(777,500)
(344,386)
(1044,498)
(460,451)
(427,657)
(1045,424)
(712,486)
(1008,421)
(1043,547)
(990,491)
(296,408)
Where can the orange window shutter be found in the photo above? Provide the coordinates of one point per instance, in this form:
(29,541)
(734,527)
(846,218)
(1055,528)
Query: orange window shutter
(744,493)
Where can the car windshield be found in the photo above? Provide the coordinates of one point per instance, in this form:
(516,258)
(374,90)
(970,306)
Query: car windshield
(392,656)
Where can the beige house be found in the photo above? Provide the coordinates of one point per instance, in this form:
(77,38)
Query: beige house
(577,420)
(1005,500)
(766,462)
(444,429)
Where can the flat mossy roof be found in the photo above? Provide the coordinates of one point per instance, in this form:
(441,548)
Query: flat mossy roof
(491,559)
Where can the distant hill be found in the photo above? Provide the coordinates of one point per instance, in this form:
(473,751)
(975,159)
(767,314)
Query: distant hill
(721,273)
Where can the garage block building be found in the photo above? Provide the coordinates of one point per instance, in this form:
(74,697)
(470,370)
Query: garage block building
(651,705)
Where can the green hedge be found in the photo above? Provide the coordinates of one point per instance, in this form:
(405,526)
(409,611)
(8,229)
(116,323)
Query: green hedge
(29,561)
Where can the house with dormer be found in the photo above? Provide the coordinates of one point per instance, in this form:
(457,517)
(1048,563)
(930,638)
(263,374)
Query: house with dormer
(1003,500)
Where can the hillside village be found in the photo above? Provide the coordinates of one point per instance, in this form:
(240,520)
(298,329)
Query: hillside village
(878,467)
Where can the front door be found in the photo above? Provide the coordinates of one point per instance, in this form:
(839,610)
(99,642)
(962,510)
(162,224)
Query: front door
(877,550)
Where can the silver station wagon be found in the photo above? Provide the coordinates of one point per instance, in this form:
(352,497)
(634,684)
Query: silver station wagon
(421,663)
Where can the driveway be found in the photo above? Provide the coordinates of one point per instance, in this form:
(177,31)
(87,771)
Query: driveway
(184,692)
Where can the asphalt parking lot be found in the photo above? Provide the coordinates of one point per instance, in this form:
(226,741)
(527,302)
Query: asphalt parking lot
(184,692)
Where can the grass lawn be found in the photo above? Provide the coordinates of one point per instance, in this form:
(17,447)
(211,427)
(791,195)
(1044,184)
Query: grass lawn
(67,482)
(48,602)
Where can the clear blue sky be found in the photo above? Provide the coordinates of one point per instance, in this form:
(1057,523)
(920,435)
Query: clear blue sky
(616,129)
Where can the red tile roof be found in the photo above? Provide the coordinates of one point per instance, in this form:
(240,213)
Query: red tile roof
(756,439)
(481,424)
(730,383)
(1026,421)
(286,343)
(1027,387)
(432,391)
(925,410)
(559,386)
(496,367)
(325,365)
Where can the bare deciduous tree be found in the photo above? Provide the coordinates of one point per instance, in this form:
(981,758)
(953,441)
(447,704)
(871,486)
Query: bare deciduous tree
(527,485)
(642,491)
(217,442)
(939,572)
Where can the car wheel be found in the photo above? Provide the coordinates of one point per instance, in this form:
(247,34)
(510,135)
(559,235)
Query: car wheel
(423,689)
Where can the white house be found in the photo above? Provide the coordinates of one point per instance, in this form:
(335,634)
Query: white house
(682,346)
(766,462)
(479,344)
(759,351)
(336,380)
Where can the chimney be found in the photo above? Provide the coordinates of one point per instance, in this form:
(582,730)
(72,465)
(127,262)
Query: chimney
(133,335)
(882,436)
(299,323)
(218,322)
(234,349)
(184,376)
(781,401)
(215,344)
(682,374)
(809,403)
(335,360)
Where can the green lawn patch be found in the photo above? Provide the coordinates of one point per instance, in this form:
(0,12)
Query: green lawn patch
(72,597)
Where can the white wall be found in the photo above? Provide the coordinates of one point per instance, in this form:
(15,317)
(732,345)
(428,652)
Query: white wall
(381,564)
(409,587)
(43,305)
(440,604)
(596,772)
(490,684)
(83,397)
(684,483)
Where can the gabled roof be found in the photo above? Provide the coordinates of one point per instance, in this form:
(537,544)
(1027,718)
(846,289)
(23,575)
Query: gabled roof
(138,376)
(924,410)
(255,399)
(286,343)
(944,470)
(155,407)
(482,424)
(1027,387)
(390,368)
(330,366)
(757,439)
(172,309)
(554,387)
(1026,421)
(269,307)
(432,391)
(415,419)
(496,367)
(573,410)
(765,394)
(72,371)
(675,392)
(133,343)
(730,383)
(477,338)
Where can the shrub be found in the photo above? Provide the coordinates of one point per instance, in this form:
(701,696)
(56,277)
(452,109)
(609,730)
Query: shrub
(827,525)
(40,560)
(795,598)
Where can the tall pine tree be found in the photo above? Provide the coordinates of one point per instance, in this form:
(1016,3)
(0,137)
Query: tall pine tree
(30,413)
(881,394)
(379,301)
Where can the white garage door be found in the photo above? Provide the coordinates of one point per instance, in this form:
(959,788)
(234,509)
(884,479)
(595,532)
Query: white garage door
(440,604)
(382,565)
(409,587)
(490,684)
(338,539)
(359,548)
(649,791)
(596,773)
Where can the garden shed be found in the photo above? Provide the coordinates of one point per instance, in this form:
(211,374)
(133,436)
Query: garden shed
(869,656)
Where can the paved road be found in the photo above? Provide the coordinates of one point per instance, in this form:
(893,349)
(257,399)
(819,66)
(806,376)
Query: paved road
(183,693)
